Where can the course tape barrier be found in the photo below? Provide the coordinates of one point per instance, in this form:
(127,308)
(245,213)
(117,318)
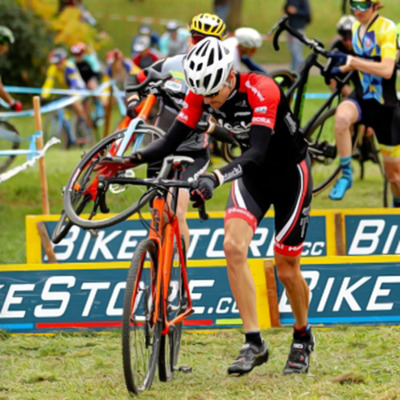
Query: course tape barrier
(75,95)
(32,154)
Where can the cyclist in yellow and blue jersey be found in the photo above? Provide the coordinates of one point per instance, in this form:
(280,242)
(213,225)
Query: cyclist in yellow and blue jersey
(374,101)
(63,74)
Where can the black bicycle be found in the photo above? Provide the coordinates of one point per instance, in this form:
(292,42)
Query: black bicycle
(319,129)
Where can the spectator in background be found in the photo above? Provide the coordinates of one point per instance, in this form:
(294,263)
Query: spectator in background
(244,45)
(145,56)
(299,13)
(6,39)
(174,41)
(222,8)
(145,30)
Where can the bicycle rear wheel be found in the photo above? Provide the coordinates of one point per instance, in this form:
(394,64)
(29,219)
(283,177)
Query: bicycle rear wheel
(176,304)
(88,194)
(323,152)
(9,140)
(141,337)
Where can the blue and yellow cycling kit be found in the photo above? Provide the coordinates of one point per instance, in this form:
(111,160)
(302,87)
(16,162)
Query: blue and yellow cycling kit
(67,77)
(379,42)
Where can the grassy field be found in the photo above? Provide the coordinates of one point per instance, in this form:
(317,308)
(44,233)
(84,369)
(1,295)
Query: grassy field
(348,363)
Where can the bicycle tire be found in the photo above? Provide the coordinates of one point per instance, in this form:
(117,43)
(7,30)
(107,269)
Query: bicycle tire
(176,299)
(230,151)
(52,128)
(63,226)
(141,338)
(321,137)
(120,206)
(8,144)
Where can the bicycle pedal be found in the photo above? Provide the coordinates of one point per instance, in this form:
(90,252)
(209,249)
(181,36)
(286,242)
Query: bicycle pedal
(183,368)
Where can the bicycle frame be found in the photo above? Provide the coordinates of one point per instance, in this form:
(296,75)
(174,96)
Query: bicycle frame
(164,227)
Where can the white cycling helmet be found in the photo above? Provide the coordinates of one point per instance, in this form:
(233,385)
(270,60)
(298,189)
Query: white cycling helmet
(248,37)
(207,66)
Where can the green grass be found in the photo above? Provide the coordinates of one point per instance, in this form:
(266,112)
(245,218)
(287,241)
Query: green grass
(348,363)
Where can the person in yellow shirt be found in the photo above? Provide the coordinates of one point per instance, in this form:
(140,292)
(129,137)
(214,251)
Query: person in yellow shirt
(63,74)
(374,101)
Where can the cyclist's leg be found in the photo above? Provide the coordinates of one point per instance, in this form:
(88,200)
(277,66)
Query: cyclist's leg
(387,129)
(293,193)
(82,124)
(347,114)
(241,219)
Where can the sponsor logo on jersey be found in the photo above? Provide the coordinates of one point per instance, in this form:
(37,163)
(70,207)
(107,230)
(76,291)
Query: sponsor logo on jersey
(261,110)
(262,120)
(255,91)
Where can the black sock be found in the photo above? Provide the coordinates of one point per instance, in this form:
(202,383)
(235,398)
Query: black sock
(254,337)
(303,334)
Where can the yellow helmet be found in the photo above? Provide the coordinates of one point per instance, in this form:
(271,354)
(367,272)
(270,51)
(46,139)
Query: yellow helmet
(208,25)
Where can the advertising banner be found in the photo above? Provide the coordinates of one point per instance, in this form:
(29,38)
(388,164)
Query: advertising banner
(374,234)
(87,296)
(353,290)
(118,242)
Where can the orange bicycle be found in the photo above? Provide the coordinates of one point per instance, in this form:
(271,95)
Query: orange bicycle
(157,297)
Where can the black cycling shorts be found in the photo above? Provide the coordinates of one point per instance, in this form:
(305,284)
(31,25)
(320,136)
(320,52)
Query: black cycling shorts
(385,120)
(289,189)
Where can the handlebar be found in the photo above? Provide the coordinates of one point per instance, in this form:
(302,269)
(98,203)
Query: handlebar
(154,80)
(283,25)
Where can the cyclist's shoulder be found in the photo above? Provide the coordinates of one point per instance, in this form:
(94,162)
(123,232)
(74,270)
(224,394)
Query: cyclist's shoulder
(174,63)
(259,87)
(382,25)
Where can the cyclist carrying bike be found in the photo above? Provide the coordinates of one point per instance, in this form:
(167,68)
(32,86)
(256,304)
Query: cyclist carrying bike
(374,102)
(274,168)
(196,146)
(7,39)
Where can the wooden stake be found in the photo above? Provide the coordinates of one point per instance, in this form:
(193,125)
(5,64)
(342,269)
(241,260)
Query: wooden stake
(42,167)
(340,246)
(272,293)
(46,242)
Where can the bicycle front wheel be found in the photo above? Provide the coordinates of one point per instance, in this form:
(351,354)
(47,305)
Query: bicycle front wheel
(9,140)
(176,304)
(62,228)
(323,152)
(89,201)
(141,337)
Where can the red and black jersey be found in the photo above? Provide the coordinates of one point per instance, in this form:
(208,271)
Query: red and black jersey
(259,116)
(256,101)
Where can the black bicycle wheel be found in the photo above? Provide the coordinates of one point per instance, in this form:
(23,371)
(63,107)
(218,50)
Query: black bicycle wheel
(176,304)
(230,151)
(141,337)
(9,140)
(62,228)
(54,127)
(323,151)
(109,203)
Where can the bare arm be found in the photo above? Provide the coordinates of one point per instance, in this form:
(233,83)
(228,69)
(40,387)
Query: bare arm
(383,69)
